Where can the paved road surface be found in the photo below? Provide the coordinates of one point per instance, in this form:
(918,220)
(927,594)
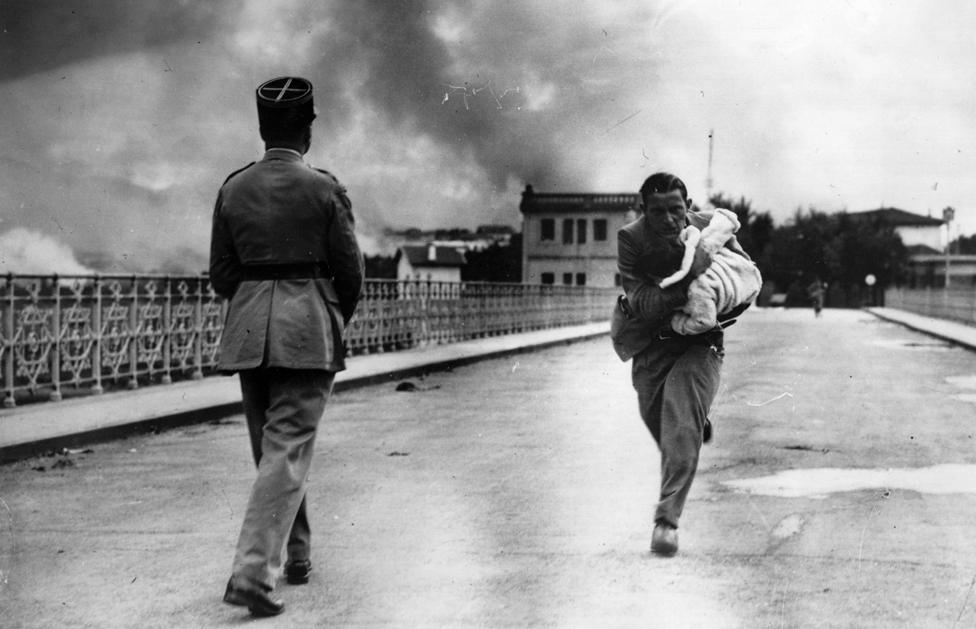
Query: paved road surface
(518,492)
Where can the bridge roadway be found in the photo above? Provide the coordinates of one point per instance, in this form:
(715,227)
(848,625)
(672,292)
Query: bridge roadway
(518,491)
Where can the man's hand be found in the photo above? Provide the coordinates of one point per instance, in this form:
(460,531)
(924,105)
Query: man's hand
(701,262)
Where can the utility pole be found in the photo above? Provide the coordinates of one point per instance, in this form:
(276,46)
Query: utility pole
(708,179)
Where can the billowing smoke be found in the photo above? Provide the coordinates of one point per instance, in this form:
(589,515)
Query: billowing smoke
(27,252)
(123,118)
(469,90)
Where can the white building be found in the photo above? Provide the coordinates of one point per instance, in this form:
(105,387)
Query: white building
(571,238)
(435,263)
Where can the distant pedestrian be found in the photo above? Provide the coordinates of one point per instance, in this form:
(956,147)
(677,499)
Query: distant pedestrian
(817,291)
(676,376)
(284,254)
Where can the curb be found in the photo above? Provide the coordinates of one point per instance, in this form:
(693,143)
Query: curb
(929,330)
(25,450)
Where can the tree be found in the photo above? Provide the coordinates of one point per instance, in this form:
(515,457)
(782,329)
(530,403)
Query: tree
(861,248)
(756,229)
(497,263)
(964,245)
(380,267)
(836,249)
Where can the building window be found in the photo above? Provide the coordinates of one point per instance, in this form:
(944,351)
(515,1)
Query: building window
(568,279)
(548,278)
(548,229)
(600,229)
(567,231)
(581,279)
(616,279)
(581,230)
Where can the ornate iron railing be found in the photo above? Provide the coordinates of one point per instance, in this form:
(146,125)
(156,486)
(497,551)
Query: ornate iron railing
(75,335)
(957,304)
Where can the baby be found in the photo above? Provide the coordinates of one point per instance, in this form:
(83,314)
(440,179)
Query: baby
(731,280)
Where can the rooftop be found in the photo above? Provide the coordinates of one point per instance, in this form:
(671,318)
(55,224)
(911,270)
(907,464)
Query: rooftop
(554,202)
(420,255)
(897,218)
(919,250)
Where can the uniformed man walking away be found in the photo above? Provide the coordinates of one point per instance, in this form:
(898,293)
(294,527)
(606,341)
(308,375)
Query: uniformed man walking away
(676,377)
(284,254)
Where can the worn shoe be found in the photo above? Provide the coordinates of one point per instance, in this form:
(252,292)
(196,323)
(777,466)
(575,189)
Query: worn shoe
(296,572)
(707,431)
(664,540)
(255,598)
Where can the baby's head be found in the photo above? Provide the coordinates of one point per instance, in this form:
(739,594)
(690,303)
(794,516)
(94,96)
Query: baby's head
(663,261)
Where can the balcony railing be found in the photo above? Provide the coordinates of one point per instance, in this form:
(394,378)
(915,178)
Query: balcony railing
(64,336)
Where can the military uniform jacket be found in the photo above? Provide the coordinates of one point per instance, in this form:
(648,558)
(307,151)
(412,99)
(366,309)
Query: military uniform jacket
(280,211)
(651,306)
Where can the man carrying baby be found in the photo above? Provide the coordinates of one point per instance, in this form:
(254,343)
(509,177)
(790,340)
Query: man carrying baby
(676,376)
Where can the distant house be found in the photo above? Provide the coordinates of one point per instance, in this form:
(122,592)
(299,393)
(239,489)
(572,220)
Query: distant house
(431,262)
(923,237)
(571,238)
(498,234)
(914,229)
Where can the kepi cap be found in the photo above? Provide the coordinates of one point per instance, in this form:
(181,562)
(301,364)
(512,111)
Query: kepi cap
(285,105)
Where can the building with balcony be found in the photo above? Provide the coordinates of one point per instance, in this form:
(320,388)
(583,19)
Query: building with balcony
(571,238)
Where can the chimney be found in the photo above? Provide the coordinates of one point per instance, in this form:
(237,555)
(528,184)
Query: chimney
(432,253)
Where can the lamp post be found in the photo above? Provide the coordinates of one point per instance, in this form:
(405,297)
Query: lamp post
(947,215)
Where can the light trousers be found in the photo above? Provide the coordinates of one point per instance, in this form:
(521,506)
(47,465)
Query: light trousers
(676,381)
(283,408)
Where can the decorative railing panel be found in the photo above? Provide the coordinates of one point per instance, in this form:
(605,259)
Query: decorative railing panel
(74,335)
(80,334)
(957,304)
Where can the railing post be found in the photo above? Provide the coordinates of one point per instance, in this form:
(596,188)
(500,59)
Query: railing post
(198,336)
(167,328)
(423,290)
(96,358)
(8,357)
(134,334)
(56,345)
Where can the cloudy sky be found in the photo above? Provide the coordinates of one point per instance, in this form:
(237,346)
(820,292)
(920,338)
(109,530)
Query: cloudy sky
(122,118)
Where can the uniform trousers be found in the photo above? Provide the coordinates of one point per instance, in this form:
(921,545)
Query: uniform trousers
(283,408)
(676,380)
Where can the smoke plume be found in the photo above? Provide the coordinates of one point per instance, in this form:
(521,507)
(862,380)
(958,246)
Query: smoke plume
(27,252)
(126,117)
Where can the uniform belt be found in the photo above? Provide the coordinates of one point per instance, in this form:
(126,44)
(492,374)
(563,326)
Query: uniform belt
(293,271)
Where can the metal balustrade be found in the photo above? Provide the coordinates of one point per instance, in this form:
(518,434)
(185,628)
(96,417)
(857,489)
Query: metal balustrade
(956,303)
(75,335)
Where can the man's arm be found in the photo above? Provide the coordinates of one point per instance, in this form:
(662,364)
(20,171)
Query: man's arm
(225,266)
(647,300)
(345,258)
